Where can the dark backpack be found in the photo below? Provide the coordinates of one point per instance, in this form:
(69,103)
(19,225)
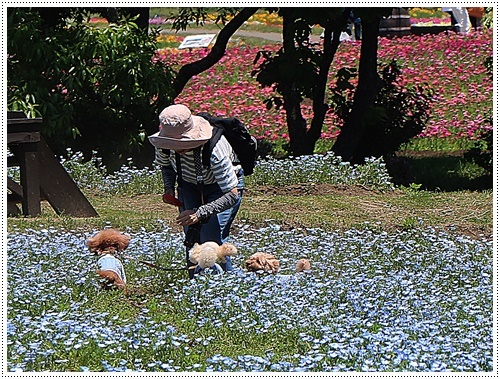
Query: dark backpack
(238,136)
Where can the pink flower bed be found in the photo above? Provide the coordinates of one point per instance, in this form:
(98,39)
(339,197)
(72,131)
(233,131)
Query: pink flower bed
(452,64)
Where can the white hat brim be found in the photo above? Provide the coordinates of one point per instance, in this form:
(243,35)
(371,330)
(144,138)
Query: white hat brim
(201,132)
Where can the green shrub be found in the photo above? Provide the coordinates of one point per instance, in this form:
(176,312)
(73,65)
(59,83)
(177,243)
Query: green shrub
(96,88)
(487,20)
(482,153)
(398,114)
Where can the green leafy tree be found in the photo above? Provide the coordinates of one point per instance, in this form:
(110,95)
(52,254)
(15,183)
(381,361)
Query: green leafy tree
(299,70)
(96,88)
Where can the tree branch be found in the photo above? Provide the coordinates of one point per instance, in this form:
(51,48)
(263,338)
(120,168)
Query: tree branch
(191,69)
(331,42)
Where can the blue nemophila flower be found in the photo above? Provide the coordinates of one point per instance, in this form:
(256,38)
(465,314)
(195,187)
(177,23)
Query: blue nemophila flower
(417,300)
(313,169)
(306,169)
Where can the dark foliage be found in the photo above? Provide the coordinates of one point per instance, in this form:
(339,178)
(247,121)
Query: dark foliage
(97,89)
(398,114)
(482,152)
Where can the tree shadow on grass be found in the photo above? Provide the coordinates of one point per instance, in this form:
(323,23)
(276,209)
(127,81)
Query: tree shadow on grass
(439,172)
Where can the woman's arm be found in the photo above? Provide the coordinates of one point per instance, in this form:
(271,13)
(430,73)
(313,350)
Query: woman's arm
(219,205)
(168,174)
(192,216)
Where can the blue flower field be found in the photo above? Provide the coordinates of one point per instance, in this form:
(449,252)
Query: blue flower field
(418,300)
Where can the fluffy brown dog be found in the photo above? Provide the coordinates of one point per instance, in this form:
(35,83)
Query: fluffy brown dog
(303,265)
(107,243)
(262,262)
(268,263)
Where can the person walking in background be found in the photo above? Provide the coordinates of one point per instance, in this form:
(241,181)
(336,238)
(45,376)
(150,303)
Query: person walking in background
(459,17)
(356,23)
(475,14)
(209,197)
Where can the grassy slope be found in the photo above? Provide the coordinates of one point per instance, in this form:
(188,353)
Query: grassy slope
(299,206)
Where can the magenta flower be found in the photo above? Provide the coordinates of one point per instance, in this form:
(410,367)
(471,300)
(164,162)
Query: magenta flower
(452,64)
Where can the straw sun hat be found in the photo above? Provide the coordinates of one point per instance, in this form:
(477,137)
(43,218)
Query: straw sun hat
(180,130)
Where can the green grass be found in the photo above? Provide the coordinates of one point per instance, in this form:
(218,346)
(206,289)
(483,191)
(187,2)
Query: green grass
(295,206)
(438,144)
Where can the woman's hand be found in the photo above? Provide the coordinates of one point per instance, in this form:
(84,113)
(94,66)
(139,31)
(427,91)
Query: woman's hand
(187,217)
(169,198)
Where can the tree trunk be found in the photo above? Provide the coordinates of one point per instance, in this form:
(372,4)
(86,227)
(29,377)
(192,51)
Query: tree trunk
(347,144)
(331,42)
(297,125)
(216,53)
(302,138)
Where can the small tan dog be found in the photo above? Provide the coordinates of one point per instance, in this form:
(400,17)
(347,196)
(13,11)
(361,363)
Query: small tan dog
(269,264)
(107,243)
(210,254)
(303,265)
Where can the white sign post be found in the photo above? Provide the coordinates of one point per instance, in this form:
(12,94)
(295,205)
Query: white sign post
(201,40)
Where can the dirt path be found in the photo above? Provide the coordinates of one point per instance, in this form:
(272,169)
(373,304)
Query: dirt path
(271,36)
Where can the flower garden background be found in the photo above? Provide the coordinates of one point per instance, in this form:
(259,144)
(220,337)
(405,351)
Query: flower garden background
(412,299)
(452,64)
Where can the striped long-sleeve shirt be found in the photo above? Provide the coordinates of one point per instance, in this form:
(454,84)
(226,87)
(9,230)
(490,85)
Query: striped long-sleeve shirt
(221,170)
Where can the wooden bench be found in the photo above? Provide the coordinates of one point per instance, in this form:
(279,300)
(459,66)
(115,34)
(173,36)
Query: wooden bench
(42,177)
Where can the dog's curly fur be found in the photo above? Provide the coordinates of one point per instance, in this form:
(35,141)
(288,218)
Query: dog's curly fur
(209,253)
(109,241)
(269,264)
(303,265)
(264,262)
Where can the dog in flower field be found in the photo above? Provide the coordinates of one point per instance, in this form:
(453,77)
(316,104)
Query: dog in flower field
(263,262)
(107,244)
(210,254)
(303,265)
(269,264)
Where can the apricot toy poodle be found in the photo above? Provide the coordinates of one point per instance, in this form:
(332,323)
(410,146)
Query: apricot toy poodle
(107,244)
(269,264)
